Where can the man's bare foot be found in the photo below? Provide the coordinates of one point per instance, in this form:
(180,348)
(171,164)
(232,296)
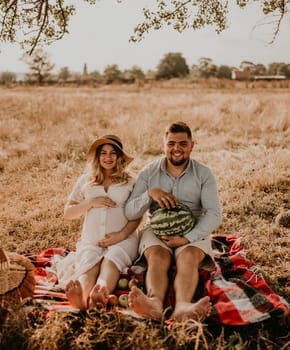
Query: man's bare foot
(98,296)
(74,293)
(192,311)
(143,305)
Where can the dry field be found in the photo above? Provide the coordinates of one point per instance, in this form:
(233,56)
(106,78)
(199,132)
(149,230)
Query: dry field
(242,133)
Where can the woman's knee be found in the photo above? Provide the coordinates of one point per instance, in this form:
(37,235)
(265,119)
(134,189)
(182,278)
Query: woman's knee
(108,264)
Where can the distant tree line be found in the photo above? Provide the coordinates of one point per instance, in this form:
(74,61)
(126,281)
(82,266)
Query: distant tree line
(172,65)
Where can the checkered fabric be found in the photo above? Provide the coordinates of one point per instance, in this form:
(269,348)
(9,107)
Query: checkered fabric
(239,293)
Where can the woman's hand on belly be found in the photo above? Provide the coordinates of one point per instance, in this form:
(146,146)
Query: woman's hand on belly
(102,202)
(115,237)
(111,238)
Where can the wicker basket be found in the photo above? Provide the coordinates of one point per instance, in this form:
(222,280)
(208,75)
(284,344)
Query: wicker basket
(17,280)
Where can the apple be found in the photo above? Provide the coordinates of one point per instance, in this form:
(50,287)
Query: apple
(123,300)
(133,282)
(123,283)
(113,300)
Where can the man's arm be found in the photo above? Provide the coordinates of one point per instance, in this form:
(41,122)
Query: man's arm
(212,212)
(139,200)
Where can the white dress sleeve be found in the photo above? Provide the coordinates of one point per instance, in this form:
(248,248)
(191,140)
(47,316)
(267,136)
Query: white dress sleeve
(77,193)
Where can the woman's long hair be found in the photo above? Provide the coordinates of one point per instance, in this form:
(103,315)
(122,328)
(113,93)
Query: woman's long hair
(118,176)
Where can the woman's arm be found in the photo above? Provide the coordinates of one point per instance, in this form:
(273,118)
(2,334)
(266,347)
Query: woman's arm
(75,209)
(115,237)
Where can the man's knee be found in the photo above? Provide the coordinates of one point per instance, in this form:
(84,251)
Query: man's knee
(191,256)
(157,256)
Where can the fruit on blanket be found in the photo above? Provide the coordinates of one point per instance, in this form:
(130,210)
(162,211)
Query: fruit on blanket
(113,300)
(123,283)
(133,282)
(123,300)
(177,221)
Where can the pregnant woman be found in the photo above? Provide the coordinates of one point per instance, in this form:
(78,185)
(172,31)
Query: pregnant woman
(108,241)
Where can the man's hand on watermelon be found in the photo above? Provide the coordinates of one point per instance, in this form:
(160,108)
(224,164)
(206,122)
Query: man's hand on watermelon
(163,198)
(174,241)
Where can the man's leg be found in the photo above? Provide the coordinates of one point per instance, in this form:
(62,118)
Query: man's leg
(185,284)
(151,305)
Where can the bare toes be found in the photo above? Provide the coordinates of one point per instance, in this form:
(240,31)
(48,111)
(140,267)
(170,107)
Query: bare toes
(74,294)
(99,296)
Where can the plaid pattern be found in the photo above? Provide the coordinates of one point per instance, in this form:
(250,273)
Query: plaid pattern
(238,291)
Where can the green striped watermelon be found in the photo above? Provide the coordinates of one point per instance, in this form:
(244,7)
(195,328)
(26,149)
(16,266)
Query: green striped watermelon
(177,221)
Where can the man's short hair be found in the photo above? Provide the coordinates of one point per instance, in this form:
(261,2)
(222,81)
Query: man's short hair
(178,127)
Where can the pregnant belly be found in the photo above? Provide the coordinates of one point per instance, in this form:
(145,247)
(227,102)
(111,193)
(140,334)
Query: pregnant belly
(116,219)
(101,221)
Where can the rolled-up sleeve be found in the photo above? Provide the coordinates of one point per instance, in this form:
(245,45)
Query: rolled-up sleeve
(211,217)
(77,194)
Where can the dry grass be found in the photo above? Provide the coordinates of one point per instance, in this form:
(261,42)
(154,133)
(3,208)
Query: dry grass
(243,134)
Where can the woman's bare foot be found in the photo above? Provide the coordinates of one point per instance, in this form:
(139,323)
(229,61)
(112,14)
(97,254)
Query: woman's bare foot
(192,311)
(143,305)
(98,296)
(74,293)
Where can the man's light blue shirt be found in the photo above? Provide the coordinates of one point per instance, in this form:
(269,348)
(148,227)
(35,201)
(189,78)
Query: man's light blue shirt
(196,187)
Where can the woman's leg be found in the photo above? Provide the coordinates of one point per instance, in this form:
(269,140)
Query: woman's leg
(106,283)
(78,291)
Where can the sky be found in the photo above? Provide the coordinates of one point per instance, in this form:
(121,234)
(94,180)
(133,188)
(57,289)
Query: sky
(99,36)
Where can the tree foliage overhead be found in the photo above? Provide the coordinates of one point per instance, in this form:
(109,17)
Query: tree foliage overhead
(31,22)
(197,14)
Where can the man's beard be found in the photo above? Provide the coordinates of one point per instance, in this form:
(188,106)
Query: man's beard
(178,162)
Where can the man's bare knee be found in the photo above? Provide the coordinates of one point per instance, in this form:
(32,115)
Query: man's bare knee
(158,257)
(190,256)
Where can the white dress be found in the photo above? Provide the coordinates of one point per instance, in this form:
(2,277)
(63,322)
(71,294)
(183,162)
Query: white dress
(98,222)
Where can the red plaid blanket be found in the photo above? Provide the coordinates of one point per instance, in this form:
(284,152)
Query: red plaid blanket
(238,291)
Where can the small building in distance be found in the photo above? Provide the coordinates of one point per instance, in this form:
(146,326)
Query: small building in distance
(269,77)
(241,75)
(247,75)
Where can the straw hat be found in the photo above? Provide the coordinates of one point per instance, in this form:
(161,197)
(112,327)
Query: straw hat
(16,279)
(108,139)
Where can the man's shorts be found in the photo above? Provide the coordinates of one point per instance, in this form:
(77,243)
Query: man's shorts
(149,239)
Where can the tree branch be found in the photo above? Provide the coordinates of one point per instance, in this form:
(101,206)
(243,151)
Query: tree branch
(282,14)
(9,25)
(64,23)
(43,24)
(277,22)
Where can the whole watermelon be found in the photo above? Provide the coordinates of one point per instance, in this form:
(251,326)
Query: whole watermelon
(177,221)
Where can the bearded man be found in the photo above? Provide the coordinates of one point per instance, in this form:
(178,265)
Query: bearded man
(175,178)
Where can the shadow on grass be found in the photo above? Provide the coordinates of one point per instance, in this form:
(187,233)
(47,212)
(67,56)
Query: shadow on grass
(30,328)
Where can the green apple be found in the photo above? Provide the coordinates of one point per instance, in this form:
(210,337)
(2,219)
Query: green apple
(123,300)
(123,283)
